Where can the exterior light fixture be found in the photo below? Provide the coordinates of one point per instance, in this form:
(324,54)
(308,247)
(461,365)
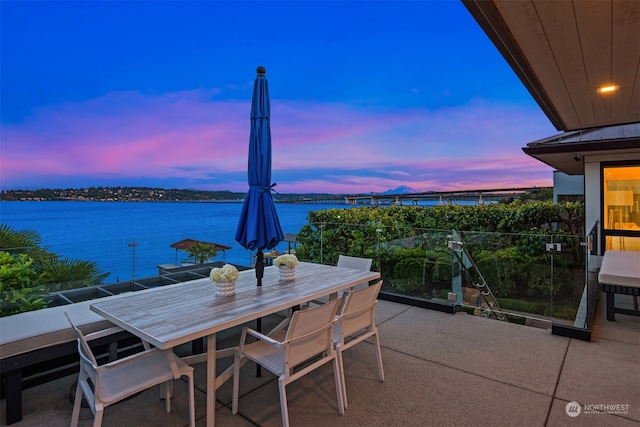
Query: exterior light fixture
(608,88)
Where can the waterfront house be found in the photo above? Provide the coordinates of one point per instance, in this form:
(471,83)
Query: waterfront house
(579,60)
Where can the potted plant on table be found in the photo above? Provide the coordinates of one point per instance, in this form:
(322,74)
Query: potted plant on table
(286,264)
(225,279)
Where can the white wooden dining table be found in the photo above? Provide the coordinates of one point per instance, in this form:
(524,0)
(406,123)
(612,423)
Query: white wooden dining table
(173,315)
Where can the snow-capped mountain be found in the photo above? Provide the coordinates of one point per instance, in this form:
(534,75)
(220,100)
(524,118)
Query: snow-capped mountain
(403,189)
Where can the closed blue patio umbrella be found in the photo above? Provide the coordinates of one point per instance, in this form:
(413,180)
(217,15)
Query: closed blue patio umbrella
(259,227)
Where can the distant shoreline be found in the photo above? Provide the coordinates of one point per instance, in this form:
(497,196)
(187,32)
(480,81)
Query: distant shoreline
(144,194)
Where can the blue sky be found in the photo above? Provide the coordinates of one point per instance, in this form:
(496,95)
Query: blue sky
(365,96)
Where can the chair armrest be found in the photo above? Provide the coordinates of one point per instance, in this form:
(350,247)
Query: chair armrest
(262,337)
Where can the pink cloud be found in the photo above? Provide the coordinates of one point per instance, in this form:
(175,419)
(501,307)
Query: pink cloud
(198,141)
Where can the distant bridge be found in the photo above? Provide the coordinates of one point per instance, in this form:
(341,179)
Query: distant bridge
(442,197)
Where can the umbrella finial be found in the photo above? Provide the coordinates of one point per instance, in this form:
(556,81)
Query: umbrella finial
(261,71)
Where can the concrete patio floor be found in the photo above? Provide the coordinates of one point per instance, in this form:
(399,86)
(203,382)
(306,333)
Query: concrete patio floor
(441,369)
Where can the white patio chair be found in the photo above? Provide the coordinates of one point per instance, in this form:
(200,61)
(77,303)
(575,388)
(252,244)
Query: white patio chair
(345,261)
(356,263)
(309,336)
(112,382)
(357,322)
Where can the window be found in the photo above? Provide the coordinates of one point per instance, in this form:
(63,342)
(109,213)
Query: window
(621,214)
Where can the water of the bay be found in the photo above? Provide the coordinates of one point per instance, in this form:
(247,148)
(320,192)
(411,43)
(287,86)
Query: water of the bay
(129,239)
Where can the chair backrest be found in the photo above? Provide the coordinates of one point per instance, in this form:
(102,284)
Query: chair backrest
(311,332)
(354,262)
(358,311)
(83,345)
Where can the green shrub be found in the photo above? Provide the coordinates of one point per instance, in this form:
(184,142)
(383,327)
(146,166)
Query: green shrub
(568,312)
(19,287)
(524,306)
(407,275)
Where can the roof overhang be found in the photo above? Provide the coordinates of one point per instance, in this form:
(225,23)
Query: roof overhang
(566,152)
(563,51)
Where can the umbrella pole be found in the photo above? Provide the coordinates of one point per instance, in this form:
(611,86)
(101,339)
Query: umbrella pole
(260,267)
(259,276)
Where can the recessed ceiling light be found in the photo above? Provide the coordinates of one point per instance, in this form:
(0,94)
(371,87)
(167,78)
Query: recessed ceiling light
(608,88)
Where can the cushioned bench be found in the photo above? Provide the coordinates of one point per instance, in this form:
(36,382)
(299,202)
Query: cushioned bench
(620,274)
(27,339)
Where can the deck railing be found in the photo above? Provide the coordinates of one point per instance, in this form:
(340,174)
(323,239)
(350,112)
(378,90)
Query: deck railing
(534,279)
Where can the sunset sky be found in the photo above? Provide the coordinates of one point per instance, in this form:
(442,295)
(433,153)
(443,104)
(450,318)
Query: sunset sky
(365,96)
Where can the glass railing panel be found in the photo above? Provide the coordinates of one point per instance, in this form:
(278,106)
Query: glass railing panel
(418,265)
(414,263)
(534,279)
(500,278)
(567,266)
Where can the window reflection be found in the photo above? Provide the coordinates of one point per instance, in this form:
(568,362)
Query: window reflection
(621,198)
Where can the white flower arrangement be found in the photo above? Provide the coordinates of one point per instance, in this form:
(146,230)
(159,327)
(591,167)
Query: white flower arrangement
(226,273)
(286,260)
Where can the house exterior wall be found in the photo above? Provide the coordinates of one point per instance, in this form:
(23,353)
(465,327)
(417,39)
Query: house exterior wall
(593,205)
(566,186)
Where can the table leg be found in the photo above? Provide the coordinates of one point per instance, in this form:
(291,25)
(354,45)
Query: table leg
(611,310)
(211,380)
(14,396)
